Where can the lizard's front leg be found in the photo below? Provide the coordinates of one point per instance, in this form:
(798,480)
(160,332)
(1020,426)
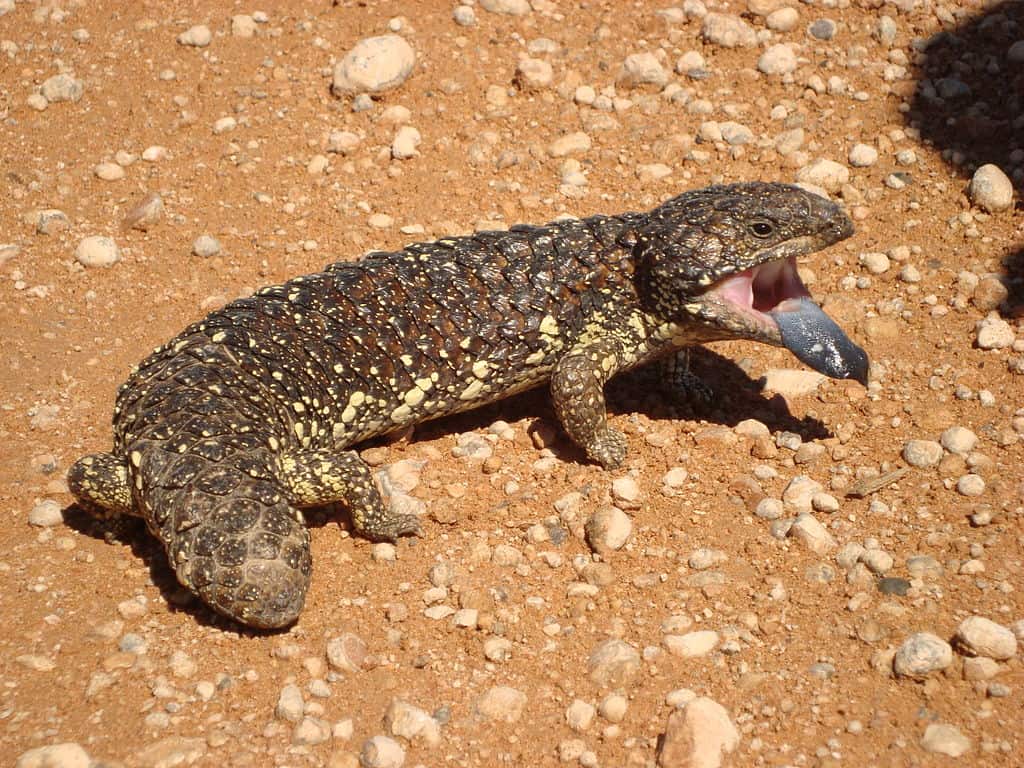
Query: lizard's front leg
(577,389)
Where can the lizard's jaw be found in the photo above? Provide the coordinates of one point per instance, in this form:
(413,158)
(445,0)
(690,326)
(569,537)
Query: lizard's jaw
(771,303)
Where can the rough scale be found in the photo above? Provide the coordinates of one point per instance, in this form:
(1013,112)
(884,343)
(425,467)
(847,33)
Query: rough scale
(223,434)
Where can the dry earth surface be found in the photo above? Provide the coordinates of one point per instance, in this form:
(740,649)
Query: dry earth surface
(754,609)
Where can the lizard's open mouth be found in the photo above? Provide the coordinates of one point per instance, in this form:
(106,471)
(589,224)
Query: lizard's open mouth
(772,297)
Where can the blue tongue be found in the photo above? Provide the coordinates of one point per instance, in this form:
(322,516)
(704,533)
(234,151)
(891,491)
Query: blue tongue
(817,341)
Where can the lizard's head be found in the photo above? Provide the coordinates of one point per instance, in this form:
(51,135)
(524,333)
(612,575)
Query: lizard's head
(725,258)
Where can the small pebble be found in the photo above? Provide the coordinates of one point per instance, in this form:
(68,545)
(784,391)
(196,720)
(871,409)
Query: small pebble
(198,36)
(922,654)
(979,636)
(943,739)
(991,189)
(206,246)
(97,251)
(374,65)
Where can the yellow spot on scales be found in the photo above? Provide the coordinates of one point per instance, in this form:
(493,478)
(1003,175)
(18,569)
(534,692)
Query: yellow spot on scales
(401,412)
(549,326)
(475,388)
(535,357)
(348,415)
(299,407)
(136,458)
(481,369)
(218,337)
(272,442)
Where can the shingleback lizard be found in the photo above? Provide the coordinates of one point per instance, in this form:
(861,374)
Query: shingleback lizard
(223,434)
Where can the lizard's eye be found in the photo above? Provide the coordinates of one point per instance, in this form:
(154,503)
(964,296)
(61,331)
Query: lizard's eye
(762,228)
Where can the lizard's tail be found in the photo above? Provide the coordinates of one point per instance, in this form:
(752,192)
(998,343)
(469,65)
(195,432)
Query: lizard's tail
(231,534)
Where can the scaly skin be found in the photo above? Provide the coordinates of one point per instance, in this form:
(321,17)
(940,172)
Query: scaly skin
(225,432)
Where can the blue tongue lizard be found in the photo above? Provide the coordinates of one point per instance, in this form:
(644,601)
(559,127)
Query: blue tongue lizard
(817,341)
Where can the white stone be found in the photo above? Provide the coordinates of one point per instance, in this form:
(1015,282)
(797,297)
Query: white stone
(874,262)
(807,530)
(412,723)
(799,493)
(728,31)
(65,755)
(943,739)
(243,25)
(97,251)
(699,736)
(509,7)
(827,174)
(779,59)
(570,144)
(982,637)
(782,20)
(792,382)
(109,172)
(613,663)
(580,715)
(922,654)
(225,125)
(642,69)
(382,752)
(62,87)
(405,142)
(342,142)
(863,156)
(958,440)
(374,65)
(501,704)
(991,189)
(994,333)
(290,705)
(608,529)
(198,36)
(922,453)
(533,74)
(464,15)
(154,153)
(206,246)
(692,644)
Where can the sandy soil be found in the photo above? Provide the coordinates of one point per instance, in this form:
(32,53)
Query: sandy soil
(100,648)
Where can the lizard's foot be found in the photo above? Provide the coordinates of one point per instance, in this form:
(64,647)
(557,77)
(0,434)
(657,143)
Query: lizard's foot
(322,476)
(681,384)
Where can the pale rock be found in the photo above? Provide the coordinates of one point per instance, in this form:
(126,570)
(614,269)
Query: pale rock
(991,189)
(792,382)
(979,636)
(412,723)
(534,74)
(827,174)
(922,453)
(728,31)
(699,736)
(807,530)
(692,644)
(64,755)
(922,654)
(613,663)
(570,144)
(62,87)
(501,704)
(381,752)
(943,739)
(778,59)
(198,36)
(642,69)
(608,529)
(406,140)
(508,7)
(97,251)
(374,65)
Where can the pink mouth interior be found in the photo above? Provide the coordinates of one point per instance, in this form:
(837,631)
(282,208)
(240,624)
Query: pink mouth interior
(763,289)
